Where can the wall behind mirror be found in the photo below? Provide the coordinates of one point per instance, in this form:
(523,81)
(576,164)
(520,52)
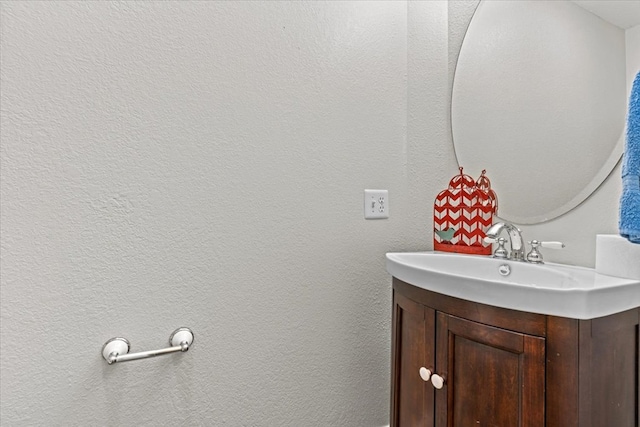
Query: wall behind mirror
(533,104)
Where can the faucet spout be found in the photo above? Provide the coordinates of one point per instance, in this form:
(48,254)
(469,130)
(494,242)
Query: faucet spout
(515,238)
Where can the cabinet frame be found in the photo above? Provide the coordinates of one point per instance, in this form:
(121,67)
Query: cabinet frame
(592,368)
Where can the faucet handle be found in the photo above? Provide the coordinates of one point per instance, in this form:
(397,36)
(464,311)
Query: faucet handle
(550,245)
(501,251)
(535,256)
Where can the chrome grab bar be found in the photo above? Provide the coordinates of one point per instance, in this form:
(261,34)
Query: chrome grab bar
(117,349)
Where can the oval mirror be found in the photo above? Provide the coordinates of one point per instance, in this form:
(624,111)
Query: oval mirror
(539,101)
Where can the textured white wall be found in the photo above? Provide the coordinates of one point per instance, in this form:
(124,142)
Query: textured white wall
(202,164)
(632,39)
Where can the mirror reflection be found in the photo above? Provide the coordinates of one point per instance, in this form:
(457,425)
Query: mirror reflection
(539,100)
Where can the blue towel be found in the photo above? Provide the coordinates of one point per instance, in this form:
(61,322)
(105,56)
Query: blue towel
(629,223)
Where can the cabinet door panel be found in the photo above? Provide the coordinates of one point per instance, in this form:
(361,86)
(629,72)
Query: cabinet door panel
(413,347)
(494,377)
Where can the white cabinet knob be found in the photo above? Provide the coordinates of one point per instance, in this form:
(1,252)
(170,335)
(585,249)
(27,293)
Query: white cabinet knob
(437,381)
(425,374)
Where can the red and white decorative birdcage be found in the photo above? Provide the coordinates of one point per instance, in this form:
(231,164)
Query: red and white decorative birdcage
(462,214)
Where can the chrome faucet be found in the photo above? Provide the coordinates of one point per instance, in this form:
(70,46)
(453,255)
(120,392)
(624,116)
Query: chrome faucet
(515,238)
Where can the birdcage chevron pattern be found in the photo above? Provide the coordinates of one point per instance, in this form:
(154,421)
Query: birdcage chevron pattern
(462,213)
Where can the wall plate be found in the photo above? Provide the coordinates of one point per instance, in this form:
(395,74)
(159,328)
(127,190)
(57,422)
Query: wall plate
(376,204)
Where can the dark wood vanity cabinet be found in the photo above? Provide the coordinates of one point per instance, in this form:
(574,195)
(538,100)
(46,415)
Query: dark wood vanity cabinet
(506,368)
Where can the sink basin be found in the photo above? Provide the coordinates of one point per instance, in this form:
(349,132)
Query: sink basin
(553,289)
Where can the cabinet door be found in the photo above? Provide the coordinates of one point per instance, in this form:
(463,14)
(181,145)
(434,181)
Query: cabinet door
(493,377)
(413,343)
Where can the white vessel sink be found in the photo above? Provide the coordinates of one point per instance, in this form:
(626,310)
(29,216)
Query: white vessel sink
(553,289)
